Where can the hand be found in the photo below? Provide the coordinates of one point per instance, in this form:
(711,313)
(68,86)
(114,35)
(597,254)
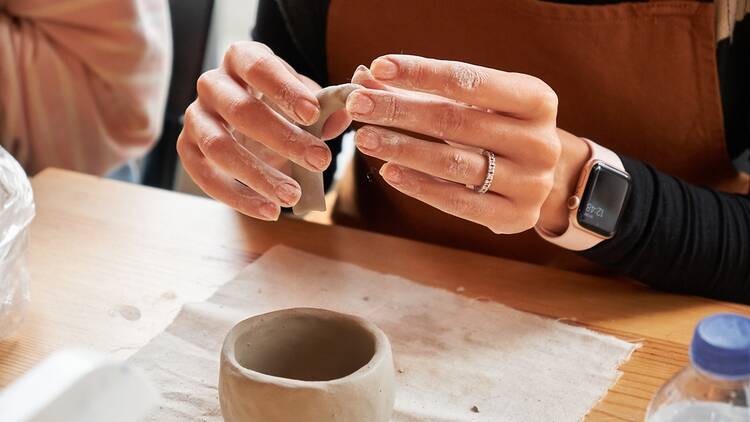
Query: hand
(240,136)
(471,108)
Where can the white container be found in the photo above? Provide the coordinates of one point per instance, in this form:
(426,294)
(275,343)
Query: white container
(79,386)
(715,386)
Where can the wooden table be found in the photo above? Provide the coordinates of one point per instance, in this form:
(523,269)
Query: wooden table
(112,263)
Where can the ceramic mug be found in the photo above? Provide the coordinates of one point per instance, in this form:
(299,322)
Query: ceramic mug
(306,364)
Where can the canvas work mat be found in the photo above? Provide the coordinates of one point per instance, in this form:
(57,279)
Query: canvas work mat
(456,358)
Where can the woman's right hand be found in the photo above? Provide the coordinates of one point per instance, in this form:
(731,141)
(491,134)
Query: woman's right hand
(241,133)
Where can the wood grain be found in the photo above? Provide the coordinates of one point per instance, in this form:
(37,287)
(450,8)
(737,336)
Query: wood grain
(112,263)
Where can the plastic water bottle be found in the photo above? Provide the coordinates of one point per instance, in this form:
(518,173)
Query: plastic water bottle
(715,386)
(16,212)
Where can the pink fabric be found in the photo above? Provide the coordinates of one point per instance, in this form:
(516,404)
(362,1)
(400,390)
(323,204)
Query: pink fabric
(83,83)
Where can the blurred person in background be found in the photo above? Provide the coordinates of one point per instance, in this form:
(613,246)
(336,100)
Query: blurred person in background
(83,84)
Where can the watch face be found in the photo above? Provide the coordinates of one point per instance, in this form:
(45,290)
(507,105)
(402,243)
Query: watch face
(603,199)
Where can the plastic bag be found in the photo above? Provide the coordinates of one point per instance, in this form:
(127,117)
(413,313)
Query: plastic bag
(16,212)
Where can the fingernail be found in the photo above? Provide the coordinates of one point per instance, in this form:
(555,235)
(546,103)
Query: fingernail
(392,174)
(317,157)
(368,139)
(306,111)
(384,69)
(269,211)
(288,194)
(361,68)
(359,103)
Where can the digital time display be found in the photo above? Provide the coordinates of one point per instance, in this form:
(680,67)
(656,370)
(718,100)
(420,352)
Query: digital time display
(594,211)
(603,199)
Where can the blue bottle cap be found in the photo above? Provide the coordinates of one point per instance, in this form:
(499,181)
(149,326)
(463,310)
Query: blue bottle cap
(721,346)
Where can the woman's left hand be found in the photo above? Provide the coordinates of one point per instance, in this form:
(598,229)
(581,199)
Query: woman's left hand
(510,114)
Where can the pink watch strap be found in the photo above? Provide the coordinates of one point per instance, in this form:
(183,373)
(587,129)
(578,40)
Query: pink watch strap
(575,237)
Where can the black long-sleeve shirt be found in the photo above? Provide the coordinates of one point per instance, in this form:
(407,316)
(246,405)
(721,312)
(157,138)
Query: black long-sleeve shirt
(673,235)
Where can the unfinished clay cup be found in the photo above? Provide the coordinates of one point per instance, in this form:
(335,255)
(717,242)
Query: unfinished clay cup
(306,364)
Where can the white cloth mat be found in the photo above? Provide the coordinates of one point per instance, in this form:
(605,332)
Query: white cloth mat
(451,352)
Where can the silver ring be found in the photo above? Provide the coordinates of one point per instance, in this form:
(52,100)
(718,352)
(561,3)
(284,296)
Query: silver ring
(490,173)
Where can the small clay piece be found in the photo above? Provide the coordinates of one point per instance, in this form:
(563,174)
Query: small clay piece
(332,99)
(474,409)
(306,364)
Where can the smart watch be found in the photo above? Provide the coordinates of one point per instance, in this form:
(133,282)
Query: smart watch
(597,204)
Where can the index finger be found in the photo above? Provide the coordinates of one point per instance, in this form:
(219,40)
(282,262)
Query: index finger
(516,94)
(257,66)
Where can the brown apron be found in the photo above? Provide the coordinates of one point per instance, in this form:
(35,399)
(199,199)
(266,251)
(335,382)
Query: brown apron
(639,78)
